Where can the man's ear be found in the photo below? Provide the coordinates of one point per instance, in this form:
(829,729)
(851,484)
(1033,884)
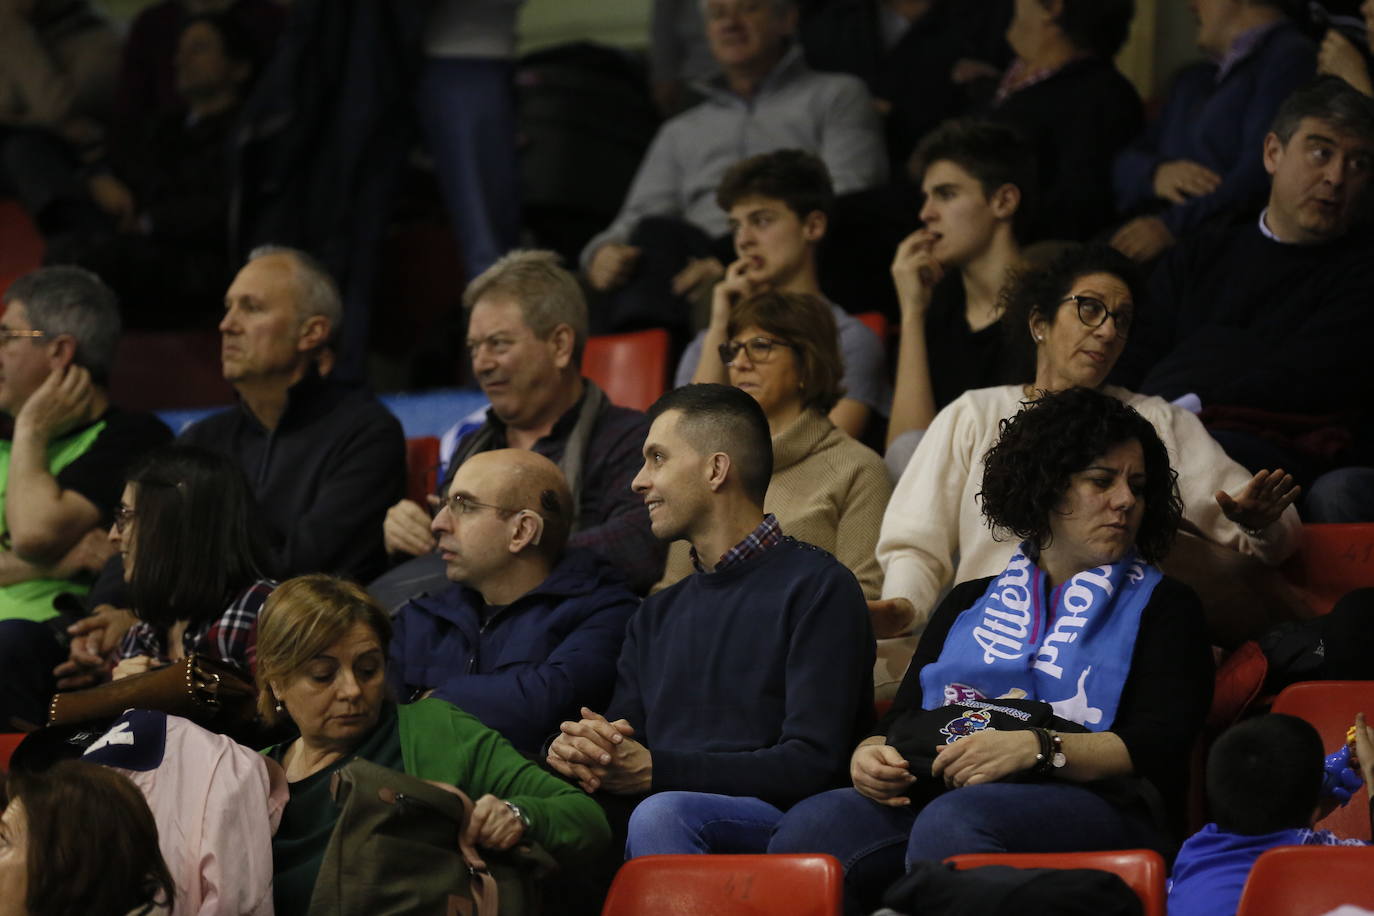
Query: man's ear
(1273,152)
(717,470)
(313,333)
(564,340)
(528,531)
(1005,201)
(815,225)
(61,351)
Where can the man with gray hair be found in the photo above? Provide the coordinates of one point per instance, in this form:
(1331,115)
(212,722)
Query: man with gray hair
(1268,323)
(527,327)
(61,469)
(325,458)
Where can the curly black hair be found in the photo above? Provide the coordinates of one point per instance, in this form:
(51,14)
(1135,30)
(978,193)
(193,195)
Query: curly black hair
(1038,290)
(1027,471)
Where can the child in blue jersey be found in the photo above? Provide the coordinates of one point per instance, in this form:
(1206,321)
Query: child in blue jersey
(1264,789)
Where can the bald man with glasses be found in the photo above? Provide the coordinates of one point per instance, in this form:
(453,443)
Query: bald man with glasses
(527,629)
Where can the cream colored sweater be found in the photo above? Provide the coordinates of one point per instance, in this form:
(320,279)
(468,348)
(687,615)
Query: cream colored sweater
(934,535)
(827,490)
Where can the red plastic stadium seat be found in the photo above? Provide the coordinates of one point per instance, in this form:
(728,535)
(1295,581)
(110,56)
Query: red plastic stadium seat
(162,370)
(876,322)
(21,245)
(1142,869)
(1331,706)
(1309,881)
(1332,560)
(631,368)
(422,467)
(796,885)
(8,742)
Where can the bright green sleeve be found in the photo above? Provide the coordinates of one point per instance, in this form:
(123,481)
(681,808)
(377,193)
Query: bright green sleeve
(441,742)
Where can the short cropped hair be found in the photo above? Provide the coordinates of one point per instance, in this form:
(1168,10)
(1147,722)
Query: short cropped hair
(994,154)
(318,293)
(547,294)
(1097,26)
(303,617)
(197,535)
(722,418)
(1330,100)
(1038,292)
(92,842)
(797,178)
(1027,471)
(808,325)
(1265,775)
(71,300)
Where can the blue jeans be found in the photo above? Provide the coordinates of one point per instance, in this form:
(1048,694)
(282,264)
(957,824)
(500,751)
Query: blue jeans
(1342,495)
(699,822)
(874,842)
(467,112)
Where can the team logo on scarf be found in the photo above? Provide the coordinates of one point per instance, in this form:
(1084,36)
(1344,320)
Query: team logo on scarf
(1072,651)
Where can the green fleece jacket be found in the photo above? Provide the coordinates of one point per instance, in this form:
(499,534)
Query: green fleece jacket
(434,740)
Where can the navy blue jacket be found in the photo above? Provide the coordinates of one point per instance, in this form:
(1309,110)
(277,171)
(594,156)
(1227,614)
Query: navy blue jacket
(1220,125)
(530,667)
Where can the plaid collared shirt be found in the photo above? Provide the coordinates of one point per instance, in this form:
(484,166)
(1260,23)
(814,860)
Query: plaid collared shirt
(231,637)
(767,534)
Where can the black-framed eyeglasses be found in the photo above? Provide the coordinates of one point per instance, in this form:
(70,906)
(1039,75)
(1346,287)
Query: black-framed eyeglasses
(123,515)
(8,334)
(1094,313)
(760,349)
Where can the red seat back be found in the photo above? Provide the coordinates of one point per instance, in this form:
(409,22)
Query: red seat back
(422,467)
(876,322)
(1331,706)
(1309,881)
(1142,869)
(631,368)
(796,885)
(21,245)
(164,370)
(8,742)
(1330,561)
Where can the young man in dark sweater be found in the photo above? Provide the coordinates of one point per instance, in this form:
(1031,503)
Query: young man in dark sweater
(741,688)
(1273,316)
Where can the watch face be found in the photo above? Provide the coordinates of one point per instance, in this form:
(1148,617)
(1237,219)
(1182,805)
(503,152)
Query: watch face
(1058,760)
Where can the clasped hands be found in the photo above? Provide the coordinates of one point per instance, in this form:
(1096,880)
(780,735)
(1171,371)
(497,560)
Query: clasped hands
(603,755)
(881,773)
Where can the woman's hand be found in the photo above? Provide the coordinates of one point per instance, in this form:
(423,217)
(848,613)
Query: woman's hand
(137,664)
(891,617)
(1259,503)
(493,824)
(985,757)
(880,773)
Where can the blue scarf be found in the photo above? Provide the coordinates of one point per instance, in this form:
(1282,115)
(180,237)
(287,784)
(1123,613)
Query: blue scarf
(1072,651)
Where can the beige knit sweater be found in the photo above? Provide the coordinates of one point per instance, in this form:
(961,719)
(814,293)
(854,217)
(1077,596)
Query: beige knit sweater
(826,490)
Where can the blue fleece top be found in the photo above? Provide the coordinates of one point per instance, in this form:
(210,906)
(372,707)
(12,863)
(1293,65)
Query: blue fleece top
(1219,124)
(533,664)
(756,680)
(1212,866)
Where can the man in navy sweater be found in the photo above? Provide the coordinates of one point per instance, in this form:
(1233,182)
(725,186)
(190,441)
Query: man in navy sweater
(740,689)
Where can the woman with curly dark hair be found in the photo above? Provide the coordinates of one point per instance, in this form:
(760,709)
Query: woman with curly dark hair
(1074,317)
(1079,619)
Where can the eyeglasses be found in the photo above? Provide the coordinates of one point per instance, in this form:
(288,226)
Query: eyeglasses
(760,349)
(123,515)
(460,505)
(1094,313)
(8,334)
